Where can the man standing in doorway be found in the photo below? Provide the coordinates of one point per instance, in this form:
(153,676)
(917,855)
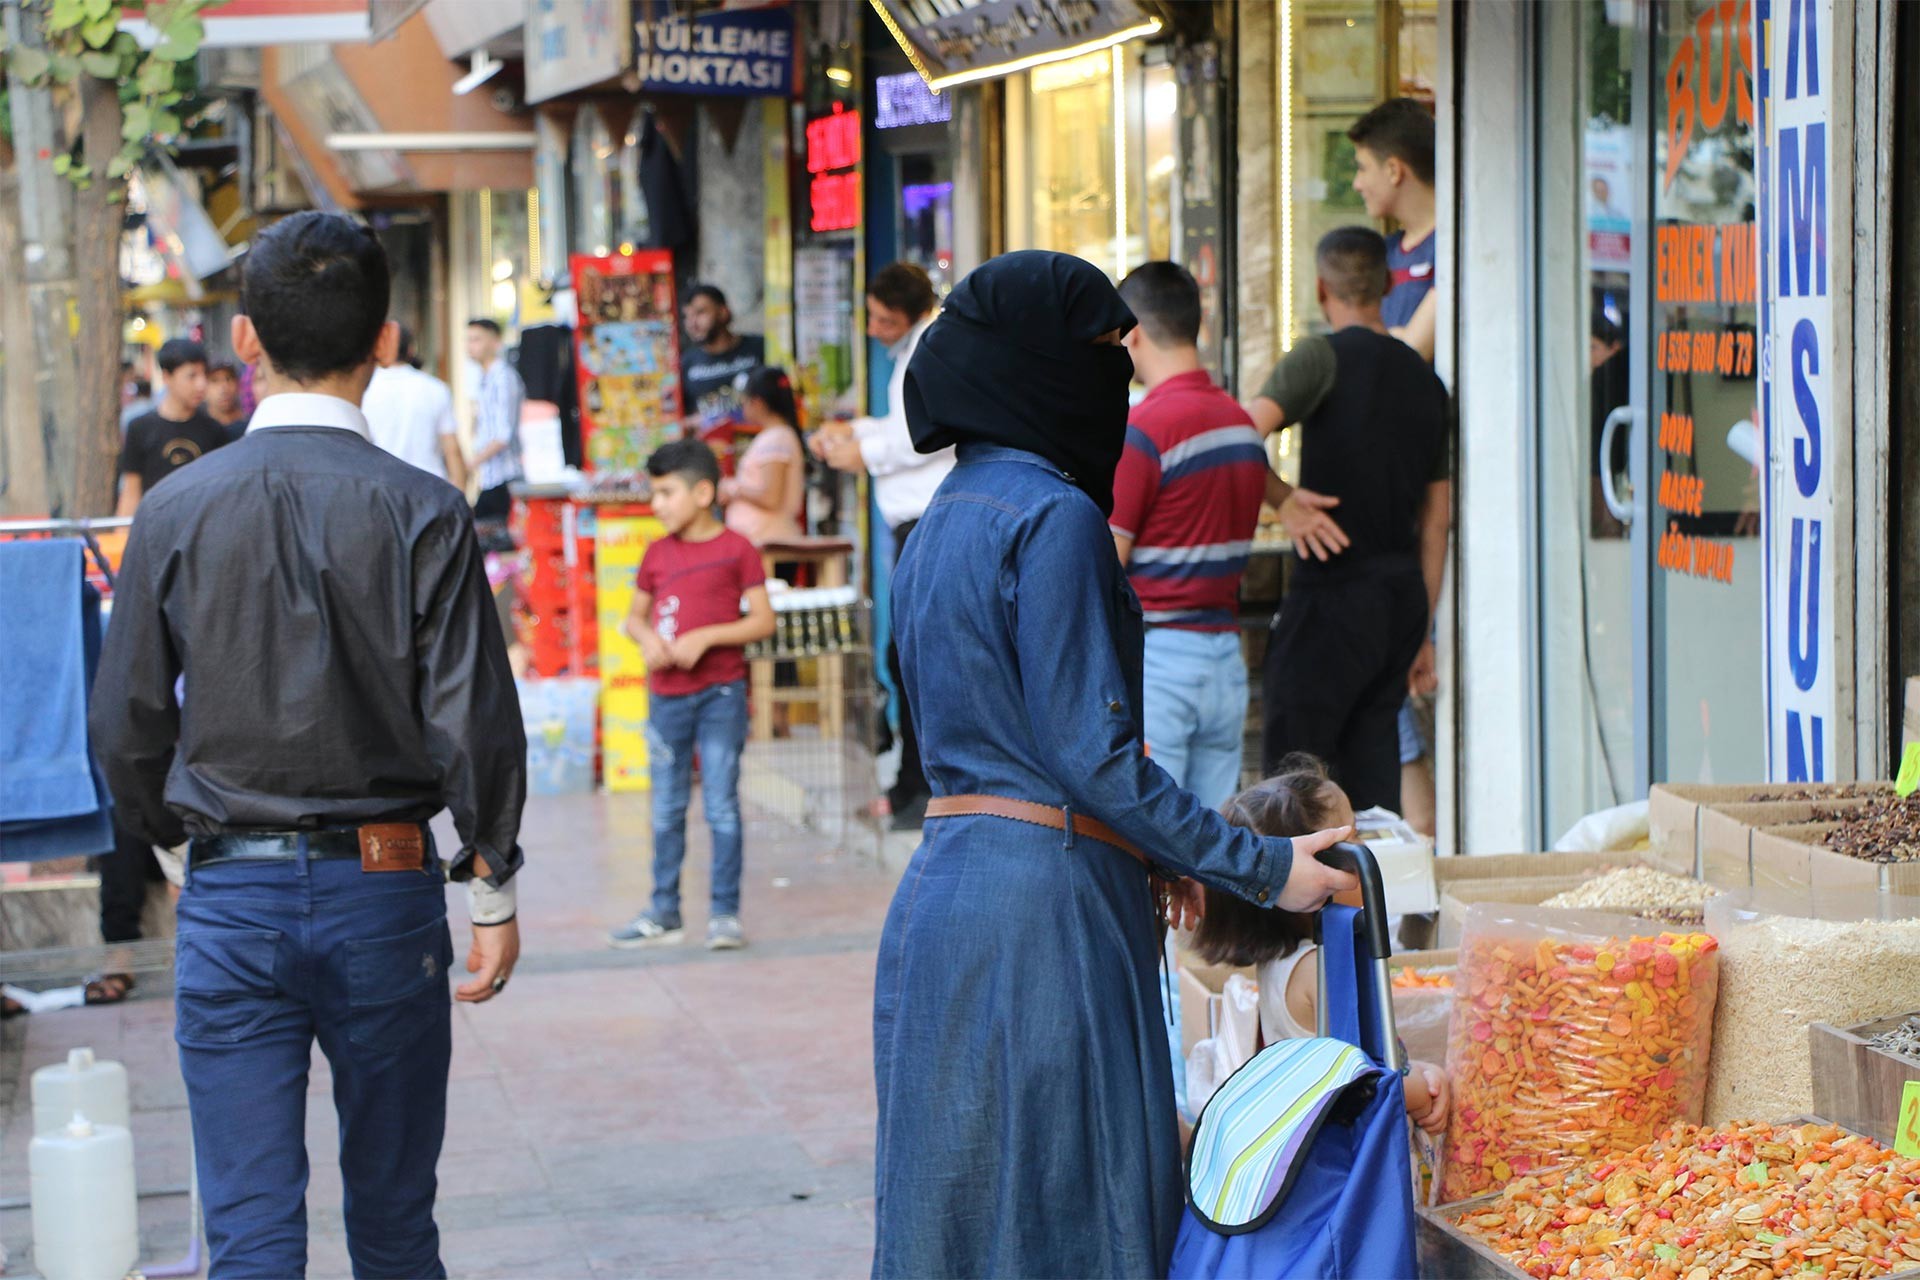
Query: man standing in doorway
(716,363)
(345,679)
(900,306)
(177,431)
(496,420)
(410,413)
(1373,421)
(1186,502)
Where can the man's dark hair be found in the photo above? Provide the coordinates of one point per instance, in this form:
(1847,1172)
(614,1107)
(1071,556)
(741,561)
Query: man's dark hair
(482,322)
(316,287)
(1398,129)
(709,291)
(691,460)
(1166,301)
(177,352)
(223,369)
(1352,262)
(141,387)
(904,287)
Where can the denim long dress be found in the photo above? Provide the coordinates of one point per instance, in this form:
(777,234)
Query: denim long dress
(1026,1106)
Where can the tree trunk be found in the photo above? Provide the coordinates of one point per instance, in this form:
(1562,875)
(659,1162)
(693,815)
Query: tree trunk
(23,446)
(98,215)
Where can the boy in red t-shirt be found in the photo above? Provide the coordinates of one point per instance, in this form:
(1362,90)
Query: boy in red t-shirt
(686,619)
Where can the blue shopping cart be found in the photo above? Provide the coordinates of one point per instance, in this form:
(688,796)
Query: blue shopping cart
(1299,1166)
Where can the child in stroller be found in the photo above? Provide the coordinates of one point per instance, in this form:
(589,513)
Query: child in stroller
(1301,798)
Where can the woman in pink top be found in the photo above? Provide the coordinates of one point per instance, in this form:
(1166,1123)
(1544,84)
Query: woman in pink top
(769,487)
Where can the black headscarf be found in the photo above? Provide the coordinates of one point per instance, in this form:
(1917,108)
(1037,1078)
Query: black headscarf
(1012,361)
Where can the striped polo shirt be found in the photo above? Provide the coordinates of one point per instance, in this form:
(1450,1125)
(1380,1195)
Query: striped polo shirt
(1188,494)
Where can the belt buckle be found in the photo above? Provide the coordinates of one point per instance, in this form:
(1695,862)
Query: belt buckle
(392,846)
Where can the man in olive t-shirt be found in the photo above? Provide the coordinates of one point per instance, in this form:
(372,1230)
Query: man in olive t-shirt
(177,431)
(1373,428)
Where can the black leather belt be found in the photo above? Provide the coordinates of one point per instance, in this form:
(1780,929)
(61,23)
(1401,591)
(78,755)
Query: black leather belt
(281,846)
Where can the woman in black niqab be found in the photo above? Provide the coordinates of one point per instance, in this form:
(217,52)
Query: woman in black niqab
(1026,1115)
(1026,354)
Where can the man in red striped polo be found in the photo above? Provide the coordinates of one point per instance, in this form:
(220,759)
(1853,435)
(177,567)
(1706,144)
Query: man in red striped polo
(1186,503)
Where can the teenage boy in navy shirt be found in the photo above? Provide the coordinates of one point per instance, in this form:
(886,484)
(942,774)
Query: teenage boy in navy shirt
(686,619)
(1393,154)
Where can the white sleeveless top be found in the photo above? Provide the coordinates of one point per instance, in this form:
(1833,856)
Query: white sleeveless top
(1276,1020)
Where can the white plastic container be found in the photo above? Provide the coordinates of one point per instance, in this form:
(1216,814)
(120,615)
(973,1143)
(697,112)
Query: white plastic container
(85,1212)
(83,1085)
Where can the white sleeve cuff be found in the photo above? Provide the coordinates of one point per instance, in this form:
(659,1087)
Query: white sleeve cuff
(173,864)
(488,905)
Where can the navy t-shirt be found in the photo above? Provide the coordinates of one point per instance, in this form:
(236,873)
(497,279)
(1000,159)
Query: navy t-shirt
(1411,278)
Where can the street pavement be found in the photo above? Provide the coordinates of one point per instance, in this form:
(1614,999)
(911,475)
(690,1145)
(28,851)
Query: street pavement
(614,1113)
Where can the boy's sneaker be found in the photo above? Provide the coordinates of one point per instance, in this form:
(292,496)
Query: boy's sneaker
(648,930)
(724,934)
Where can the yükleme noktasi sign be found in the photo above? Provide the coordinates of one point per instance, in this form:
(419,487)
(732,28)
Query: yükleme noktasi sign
(1797,378)
(739,52)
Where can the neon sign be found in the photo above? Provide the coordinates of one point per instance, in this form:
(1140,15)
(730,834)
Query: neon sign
(833,158)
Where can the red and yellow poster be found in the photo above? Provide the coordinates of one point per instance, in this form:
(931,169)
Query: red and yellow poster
(628,348)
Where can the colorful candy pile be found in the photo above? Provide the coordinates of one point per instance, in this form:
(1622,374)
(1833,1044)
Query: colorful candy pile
(1747,1200)
(1423,979)
(1563,1046)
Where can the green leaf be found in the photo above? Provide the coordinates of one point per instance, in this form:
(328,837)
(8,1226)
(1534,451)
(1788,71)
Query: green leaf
(99,33)
(62,163)
(120,166)
(166,124)
(29,64)
(104,66)
(138,123)
(65,67)
(171,50)
(155,77)
(98,9)
(66,14)
(124,44)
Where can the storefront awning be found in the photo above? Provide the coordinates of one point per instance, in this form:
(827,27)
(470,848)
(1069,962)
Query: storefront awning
(955,42)
(260,24)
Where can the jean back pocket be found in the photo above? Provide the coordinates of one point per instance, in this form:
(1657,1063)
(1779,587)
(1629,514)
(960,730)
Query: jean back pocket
(396,985)
(224,986)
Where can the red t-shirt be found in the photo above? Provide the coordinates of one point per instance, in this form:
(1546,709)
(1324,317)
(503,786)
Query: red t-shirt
(693,585)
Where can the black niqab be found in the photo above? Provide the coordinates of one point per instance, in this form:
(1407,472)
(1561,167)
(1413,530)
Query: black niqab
(1012,361)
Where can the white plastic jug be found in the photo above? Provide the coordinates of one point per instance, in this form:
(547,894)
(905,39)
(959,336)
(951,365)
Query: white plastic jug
(96,1090)
(85,1212)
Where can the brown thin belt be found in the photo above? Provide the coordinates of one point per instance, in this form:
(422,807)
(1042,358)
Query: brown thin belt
(1038,815)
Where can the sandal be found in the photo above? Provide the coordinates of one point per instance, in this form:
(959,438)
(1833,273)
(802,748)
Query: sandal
(109,988)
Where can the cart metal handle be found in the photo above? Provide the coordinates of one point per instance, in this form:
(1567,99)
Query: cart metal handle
(1371,924)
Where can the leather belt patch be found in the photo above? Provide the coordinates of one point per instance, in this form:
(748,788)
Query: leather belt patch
(393,846)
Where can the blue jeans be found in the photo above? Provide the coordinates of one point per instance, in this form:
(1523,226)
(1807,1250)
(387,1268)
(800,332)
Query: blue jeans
(271,956)
(1196,709)
(713,721)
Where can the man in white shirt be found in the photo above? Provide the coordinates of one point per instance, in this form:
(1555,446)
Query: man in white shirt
(900,306)
(411,413)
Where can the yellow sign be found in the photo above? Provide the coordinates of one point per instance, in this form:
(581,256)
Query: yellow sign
(1906,1130)
(619,544)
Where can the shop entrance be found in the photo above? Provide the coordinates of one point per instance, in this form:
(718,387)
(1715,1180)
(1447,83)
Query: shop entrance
(1650,584)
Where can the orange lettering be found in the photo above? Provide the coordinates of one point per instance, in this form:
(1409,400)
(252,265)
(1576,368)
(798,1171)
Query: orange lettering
(1680,108)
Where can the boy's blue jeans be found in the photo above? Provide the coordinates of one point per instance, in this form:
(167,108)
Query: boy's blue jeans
(270,957)
(713,722)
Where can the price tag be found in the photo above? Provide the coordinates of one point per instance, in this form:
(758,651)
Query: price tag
(1906,1131)
(1909,777)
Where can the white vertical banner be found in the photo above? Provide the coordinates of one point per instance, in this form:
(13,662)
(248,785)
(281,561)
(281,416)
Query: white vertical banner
(1797,376)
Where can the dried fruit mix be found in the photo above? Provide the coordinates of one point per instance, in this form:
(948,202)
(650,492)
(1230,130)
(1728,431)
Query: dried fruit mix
(1749,1201)
(1571,1036)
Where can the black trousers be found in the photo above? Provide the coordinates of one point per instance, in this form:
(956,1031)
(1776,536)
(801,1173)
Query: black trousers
(124,876)
(1336,674)
(911,784)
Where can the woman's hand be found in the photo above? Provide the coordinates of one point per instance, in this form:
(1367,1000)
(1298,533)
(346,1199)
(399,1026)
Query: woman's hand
(1311,883)
(1428,1097)
(1186,904)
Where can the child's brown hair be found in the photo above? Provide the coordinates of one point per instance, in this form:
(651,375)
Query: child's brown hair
(1298,800)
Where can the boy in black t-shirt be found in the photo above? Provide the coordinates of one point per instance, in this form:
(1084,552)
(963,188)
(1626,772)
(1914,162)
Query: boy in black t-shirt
(176,432)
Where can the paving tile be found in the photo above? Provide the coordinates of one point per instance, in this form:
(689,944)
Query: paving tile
(652,1243)
(831,1264)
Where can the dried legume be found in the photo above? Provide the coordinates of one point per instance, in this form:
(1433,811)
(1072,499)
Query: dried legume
(1642,892)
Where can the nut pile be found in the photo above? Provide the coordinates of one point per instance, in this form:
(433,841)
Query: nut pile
(1643,892)
(1885,829)
(1748,1200)
(1843,791)
(1563,1047)
(1903,1039)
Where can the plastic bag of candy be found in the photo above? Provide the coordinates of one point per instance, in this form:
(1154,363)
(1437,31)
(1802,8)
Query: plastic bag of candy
(1573,1034)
